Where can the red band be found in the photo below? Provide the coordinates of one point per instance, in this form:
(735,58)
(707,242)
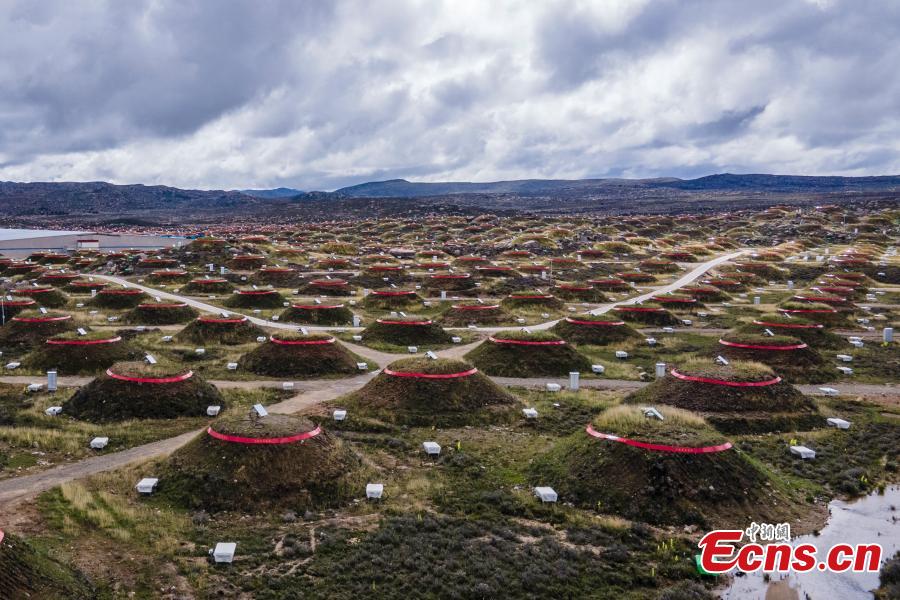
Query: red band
(316,306)
(807,310)
(83,342)
(659,447)
(174,379)
(60,276)
(664,299)
(530,297)
(637,309)
(724,382)
(789,325)
(758,347)
(387,322)
(460,276)
(255,292)
(399,293)
(329,283)
(472,371)
(597,323)
(275,340)
(121,292)
(41,319)
(528,342)
(27,291)
(17,302)
(279,440)
(820,298)
(205,281)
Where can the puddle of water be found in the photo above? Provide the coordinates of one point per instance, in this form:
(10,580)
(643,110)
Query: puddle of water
(867,520)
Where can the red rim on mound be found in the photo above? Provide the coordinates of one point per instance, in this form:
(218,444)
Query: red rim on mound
(724,382)
(128,292)
(41,319)
(329,283)
(527,342)
(659,447)
(807,310)
(451,276)
(130,379)
(316,306)
(392,293)
(275,340)
(415,375)
(237,439)
(763,346)
(208,281)
(530,296)
(255,292)
(111,340)
(595,323)
(638,309)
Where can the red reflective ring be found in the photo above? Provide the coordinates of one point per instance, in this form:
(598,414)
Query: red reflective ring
(316,306)
(530,297)
(205,281)
(275,340)
(17,302)
(278,440)
(173,379)
(673,300)
(527,342)
(763,347)
(255,292)
(328,283)
(389,322)
(659,447)
(121,292)
(598,323)
(41,319)
(472,371)
(399,293)
(26,291)
(83,342)
(765,383)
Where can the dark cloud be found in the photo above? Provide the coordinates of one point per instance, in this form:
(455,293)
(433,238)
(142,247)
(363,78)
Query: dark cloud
(323,93)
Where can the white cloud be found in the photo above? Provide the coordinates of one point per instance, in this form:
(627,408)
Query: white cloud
(318,95)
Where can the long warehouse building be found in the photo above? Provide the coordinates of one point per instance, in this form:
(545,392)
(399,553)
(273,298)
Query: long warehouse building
(19,243)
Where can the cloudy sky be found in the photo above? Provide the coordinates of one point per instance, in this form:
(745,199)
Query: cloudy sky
(318,95)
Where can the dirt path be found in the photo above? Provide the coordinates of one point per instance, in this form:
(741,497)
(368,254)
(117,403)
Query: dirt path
(18,489)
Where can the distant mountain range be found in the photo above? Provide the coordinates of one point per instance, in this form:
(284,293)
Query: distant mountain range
(401,188)
(101,203)
(281,192)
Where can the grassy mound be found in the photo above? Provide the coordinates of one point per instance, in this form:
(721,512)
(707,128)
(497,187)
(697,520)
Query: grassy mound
(47,297)
(814,334)
(26,572)
(214,474)
(593,329)
(390,298)
(656,487)
(532,300)
(255,299)
(286,359)
(515,360)
(647,313)
(108,398)
(449,282)
(220,330)
(318,314)
(678,302)
(118,298)
(706,293)
(161,314)
(70,358)
(610,284)
(815,312)
(56,279)
(800,365)
(731,409)
(85,286)
(31,328)
(460,315)
(277,276)
(405,331)
(420,401)
(208,286)
(580,292)
(328,287)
